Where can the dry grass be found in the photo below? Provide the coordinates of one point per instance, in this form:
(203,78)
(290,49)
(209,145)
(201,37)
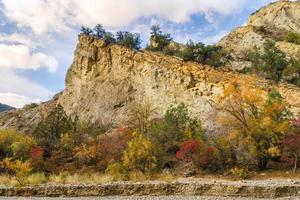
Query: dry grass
(268,174)
(8,180)
(98,178)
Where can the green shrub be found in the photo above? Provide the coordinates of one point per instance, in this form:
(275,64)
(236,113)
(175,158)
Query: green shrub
(176,126)
(127,39)
(293,37)
(205,54)
(48,132)
(271,62)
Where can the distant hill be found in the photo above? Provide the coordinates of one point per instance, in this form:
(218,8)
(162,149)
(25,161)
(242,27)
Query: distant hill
(4,107)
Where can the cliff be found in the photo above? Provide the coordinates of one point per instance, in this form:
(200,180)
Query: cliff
(105,83)
(271,22)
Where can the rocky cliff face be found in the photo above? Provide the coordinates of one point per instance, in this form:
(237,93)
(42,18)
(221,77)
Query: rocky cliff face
(106,82)
(270,22)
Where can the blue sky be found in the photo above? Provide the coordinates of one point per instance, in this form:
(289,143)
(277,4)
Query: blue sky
(38,37)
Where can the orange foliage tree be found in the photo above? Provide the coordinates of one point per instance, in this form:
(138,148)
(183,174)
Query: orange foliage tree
(256,122)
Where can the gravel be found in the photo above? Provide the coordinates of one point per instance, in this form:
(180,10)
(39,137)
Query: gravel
(140,198)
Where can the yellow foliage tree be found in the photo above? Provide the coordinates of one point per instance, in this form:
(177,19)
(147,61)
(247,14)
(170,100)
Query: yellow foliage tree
(139,154)
(254,121)
(19,168)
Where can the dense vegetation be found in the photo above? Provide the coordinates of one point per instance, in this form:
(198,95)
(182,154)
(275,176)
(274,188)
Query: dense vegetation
(197,52)
(4,107)
(293,37)
(273,64)
(259,133)
(160,42)
(124,38)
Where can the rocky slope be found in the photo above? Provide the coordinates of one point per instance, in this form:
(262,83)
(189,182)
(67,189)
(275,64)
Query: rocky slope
(4,107)
(271,22)
(106,82)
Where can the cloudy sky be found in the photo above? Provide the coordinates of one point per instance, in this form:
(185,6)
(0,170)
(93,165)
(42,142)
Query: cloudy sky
(38,37)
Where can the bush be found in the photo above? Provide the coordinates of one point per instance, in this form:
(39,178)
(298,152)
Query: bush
(197,152)
(13,144)
(139,155)
(271,62)
(19,168)
(198,52)
(291,149)
(176,126)
(293,37)
(108,149)
(127,39)
(240,173)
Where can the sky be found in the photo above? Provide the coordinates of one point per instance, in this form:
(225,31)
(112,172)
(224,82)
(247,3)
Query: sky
(38,37)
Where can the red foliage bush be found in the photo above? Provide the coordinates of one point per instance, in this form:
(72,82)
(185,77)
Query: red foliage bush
(290,149)
(36,152)
(195,151)
(107,149)
(36,156)
(111,146)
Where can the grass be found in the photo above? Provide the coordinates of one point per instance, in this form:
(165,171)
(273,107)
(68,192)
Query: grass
(268,174)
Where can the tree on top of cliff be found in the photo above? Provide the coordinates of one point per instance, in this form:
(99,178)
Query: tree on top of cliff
(130,40)
(160,40)
(86,30)
(99,31)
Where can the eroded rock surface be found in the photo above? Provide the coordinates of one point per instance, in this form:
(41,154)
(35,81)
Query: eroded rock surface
(271,22)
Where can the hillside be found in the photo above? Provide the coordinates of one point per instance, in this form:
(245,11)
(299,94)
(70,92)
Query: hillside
(4,107)
(273,22)
(106,82)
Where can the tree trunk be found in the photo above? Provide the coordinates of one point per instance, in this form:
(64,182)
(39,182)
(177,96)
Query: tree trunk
(262,163)
(295,163)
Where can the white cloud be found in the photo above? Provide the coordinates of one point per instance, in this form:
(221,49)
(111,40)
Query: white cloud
(18,38)
(15,100)
(44,16)
(20,57)
(14,83)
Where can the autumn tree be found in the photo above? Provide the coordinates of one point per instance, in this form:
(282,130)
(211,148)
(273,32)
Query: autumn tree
(15,145)
(256,123)
(290,146)
(176,127)
(49,131)
(201,155)
(140,154)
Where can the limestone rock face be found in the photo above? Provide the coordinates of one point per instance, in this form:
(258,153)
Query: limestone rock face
(282,15)
(26,119)
(105,83)
(271,22)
